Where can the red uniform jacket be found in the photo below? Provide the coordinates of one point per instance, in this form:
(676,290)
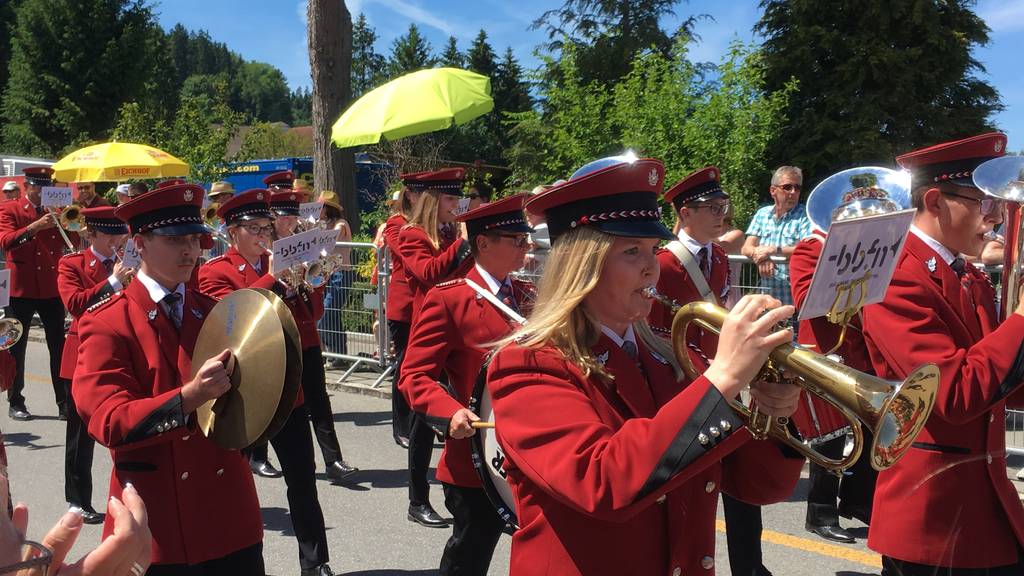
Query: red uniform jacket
(815,417)
(82,282)
(399,302)
(31,259)
(948,502)
(426,266)
(449,335)
(131,365)
(613,478)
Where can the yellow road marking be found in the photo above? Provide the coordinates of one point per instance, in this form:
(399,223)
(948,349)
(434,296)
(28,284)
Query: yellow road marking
(36,377)
(815,547)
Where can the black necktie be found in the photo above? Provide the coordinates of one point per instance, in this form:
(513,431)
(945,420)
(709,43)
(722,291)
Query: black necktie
(959,265)
(702,256)
(505,295)
(109,265)
(171,303)
(40,211)
(629,348)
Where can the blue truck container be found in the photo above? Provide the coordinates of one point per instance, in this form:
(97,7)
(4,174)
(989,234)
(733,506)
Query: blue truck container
(372,178)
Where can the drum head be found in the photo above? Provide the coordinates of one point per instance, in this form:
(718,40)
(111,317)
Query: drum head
(488,458)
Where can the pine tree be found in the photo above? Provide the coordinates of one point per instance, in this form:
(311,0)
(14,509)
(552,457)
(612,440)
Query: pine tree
(410,53)
(452,57)
(481,57)
(511,92)
(876,78)
(368,67)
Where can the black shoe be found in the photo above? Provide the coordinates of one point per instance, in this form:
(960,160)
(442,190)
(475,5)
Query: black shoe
(90,516)
(19,413)
(321,570)
(264,469)
(425,515)
(340,470)
(833,533)
(402,441)
(859,512)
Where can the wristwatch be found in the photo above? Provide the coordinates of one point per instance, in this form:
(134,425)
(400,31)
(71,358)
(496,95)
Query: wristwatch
(778,249)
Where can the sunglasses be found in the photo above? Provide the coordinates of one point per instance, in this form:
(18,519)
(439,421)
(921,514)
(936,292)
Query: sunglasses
(790,187)
(518,240)
(715,209)
(988,205)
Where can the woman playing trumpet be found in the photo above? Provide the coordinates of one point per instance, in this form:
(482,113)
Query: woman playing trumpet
(84,279)
(614,459)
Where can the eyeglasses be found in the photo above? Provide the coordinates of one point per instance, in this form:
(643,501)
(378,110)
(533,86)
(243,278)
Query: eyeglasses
(988,205)
(257,230)
(518,240)
(37,558)
(790,187)
(715,209)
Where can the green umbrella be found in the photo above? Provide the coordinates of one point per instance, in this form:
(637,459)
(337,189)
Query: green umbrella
(416,103)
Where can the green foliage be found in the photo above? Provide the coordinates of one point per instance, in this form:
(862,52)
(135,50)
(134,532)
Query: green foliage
(261,90)
(302,107)
(368,67)
(409,53)
(876,79)
(265,140)
(451,57)
(663,108)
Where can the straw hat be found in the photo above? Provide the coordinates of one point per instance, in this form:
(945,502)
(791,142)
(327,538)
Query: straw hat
(221,187)
(330,198)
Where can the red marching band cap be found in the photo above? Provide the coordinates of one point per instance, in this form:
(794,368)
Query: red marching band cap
(619,198)
(248,205)
(38,175)
(285,203)
(700,186)
(169,183)
(171,211)
(952,162)
(446,180)
(103,219)
(279,180)
(505,215)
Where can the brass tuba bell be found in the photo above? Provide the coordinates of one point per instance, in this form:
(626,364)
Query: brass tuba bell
(1003,178)
(895,412)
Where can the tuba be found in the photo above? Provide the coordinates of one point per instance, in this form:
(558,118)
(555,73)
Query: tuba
(894,411)
(1003,178)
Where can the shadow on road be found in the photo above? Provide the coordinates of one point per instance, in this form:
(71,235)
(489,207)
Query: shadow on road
(27,440)
(366,479)
(392,572)
(277,520)
(364,418)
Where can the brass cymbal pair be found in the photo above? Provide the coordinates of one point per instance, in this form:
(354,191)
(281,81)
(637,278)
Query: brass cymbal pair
(266,372)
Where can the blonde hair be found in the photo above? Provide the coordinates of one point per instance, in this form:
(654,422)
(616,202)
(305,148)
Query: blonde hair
(404,204)
(559,319)
(424,215)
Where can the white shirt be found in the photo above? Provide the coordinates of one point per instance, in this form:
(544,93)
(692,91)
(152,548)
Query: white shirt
(620,340)
(945,253)
(114,282)
(492,283)
(157,292)
(694,247)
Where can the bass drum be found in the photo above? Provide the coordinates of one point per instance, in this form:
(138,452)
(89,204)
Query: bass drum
(488,458)
(817,420)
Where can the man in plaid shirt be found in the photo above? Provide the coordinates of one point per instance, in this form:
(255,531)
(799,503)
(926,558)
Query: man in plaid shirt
(775,230)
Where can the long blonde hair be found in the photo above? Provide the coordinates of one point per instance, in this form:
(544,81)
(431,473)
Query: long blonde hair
(424,215)
(404,205)
(559,319)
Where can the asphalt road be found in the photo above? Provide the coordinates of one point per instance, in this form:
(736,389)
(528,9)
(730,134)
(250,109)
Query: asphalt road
(367,527)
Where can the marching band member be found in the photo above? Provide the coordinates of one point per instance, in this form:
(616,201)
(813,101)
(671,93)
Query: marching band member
(246,264)
(428,261)
(279,181)
(33,245)
(133,388)
(450,336)
(83,279)
(947,507)
(615,461)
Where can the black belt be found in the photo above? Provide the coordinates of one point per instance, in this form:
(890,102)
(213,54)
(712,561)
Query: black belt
(944,448)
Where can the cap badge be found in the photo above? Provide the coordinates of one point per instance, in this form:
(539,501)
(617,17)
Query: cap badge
(187,195)
(241,267)
(259,195)
(652,177)
(292,197)
(930,263)
(998,146)
(713,175)
(602,358)
(151,314)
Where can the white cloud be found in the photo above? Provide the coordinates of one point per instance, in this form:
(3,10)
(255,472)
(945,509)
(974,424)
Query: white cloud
(417,14)
(1002,15)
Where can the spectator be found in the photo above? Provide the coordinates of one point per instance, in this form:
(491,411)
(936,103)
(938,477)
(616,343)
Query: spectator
(775,230)
(122,193)
(335,338)
(137,189)
(480,193)
(11,190)
(87,196)
(221,192)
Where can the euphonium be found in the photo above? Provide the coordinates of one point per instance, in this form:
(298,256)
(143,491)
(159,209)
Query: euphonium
(895,412)
(1003,178)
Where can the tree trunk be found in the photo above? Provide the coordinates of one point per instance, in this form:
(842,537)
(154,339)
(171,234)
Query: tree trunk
(330,62)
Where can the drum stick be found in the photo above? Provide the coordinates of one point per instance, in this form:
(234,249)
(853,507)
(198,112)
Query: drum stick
(481,424)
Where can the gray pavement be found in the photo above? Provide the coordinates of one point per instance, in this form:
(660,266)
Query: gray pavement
(367,527)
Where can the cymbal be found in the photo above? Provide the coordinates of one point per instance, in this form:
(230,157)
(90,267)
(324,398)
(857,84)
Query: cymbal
(249,324)
(293,368)
(10,332)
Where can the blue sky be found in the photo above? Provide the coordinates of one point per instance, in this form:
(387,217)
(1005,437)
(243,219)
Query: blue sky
(274,31)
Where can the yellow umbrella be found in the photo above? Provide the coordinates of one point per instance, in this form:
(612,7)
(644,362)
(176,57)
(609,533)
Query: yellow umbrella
(117,161)
(416,103)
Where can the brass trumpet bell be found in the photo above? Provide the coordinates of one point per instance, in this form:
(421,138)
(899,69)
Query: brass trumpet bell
(895,412)
(71,218)
(210,214)
(11,330)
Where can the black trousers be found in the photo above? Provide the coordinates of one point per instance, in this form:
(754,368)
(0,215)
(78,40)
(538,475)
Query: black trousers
(421,446)
(294,447)
(318,404)
(743,529)
(401,415)
(78,451)
(894,567)
(856,489)
(476,528)
(245,561)
(51,312)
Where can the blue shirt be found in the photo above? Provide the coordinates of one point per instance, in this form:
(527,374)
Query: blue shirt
(791,228)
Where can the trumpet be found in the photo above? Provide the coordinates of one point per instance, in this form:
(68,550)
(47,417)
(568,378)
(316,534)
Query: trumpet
(894,411)
(59,219)
(309,275)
